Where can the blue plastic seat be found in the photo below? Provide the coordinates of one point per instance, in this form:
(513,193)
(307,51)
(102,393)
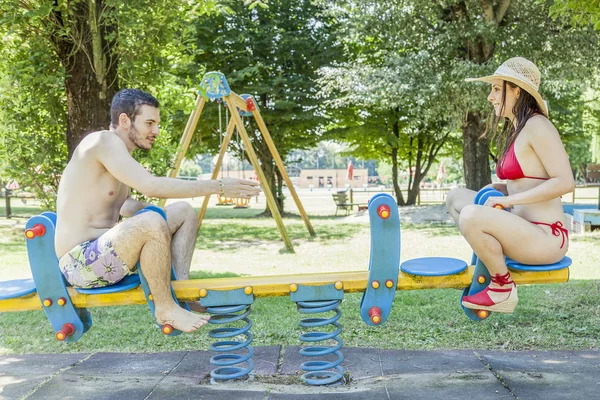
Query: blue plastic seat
(16,288)
(433,266)
(129,282)
(564,263)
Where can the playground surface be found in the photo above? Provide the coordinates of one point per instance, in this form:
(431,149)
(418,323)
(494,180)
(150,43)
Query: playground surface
(383,374)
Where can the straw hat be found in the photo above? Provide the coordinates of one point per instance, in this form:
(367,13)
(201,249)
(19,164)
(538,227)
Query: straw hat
(521,72)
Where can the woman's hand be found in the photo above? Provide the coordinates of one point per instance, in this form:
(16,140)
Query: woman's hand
(498,202)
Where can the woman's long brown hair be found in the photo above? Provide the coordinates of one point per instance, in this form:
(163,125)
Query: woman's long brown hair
(525,107)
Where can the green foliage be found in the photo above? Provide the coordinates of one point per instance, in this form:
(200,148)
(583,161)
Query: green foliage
(408,59)
(581,12)
(32,116)
(190,168)
(155,52)
(272,53)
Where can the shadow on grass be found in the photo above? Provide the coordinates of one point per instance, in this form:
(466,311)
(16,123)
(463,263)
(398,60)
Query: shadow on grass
(595,238)
(232,236)
(212,274)
(228,212)
(432,228)
(21,212)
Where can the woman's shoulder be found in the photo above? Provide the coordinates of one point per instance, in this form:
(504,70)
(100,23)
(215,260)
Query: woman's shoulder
(538,127)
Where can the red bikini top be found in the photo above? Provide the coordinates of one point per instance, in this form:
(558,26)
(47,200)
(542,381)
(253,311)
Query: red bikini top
(510,169)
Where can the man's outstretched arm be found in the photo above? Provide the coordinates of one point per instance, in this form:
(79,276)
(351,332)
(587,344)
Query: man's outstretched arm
(111,152)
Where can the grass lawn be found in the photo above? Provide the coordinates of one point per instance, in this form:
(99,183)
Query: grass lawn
(235,243)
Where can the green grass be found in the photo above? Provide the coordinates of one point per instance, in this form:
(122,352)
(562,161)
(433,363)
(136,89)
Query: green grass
(549,317)
(561,316)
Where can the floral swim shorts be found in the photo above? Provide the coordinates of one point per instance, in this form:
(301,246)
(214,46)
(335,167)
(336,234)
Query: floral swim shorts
(93,264)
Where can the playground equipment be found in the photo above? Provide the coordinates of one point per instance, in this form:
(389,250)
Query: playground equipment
(215,87)
(229,299)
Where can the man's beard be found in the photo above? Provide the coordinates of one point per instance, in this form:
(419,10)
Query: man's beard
(134,139)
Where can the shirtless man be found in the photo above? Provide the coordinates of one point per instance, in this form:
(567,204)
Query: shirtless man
(94,248)
(536,168)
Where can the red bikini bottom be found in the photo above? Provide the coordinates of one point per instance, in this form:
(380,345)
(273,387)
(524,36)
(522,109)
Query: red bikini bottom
(557,230)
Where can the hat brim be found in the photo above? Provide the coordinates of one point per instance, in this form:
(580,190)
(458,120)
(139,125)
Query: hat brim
(522,84)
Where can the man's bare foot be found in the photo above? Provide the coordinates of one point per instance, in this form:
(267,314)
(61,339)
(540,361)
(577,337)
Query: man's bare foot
(196,307)
(181,319)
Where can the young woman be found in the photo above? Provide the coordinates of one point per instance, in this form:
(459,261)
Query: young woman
(534,165)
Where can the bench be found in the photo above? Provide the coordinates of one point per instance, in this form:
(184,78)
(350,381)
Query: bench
(342,203)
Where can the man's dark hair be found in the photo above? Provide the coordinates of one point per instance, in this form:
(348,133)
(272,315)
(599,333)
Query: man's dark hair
(129,101)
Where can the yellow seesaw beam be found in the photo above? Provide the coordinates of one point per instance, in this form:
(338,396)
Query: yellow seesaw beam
(279,285)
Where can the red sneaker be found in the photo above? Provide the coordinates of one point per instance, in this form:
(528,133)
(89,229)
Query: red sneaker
(489,298)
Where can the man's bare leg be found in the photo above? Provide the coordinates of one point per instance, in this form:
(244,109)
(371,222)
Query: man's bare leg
(457,199)
(147,237)
(183,225)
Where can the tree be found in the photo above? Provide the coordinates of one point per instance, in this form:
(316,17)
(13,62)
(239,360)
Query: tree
(460,38)
(86,50)
(272,53)
(581,12)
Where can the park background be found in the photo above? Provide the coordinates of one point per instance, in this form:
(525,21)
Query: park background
(377,84)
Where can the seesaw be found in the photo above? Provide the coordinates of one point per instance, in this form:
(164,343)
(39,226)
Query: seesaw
(229,299)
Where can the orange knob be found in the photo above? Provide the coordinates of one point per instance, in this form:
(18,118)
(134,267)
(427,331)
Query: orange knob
(498,206)
(483,314)
(375,284)
(481,279)
(389,283)
(167,329)
(375,314)
(61,301)
(37,230)
(47,302)
(383,211)
(67,330)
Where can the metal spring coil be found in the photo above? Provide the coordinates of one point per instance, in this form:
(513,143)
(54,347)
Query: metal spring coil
(321,372)
(227,362)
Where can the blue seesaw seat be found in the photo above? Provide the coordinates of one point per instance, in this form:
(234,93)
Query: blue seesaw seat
(16,288)
(564,263)
(129,282)
(433,266)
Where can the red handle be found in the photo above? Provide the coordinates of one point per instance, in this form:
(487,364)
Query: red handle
(375,314)
(67,330)
(383,211)
(37,230)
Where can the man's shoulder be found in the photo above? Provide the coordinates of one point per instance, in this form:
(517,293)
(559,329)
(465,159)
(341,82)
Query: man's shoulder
(100,140)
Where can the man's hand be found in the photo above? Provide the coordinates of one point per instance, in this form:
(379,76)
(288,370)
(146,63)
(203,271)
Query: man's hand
(238,188)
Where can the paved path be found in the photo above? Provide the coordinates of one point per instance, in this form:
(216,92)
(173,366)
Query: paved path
(374,374)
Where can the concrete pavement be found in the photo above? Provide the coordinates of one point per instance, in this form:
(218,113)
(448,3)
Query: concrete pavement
(373,373)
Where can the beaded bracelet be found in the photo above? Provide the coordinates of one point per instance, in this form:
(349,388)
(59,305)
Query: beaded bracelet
(221,187)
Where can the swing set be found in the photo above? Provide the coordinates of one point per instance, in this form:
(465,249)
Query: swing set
(214,87)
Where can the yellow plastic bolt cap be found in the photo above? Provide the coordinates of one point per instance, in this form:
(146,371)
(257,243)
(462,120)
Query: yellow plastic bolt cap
(339,285)
(293,288)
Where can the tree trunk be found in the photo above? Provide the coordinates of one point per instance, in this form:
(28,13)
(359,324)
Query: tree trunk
(396,132)
(399,198)
(475,153)
(91,64)
(478,49)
